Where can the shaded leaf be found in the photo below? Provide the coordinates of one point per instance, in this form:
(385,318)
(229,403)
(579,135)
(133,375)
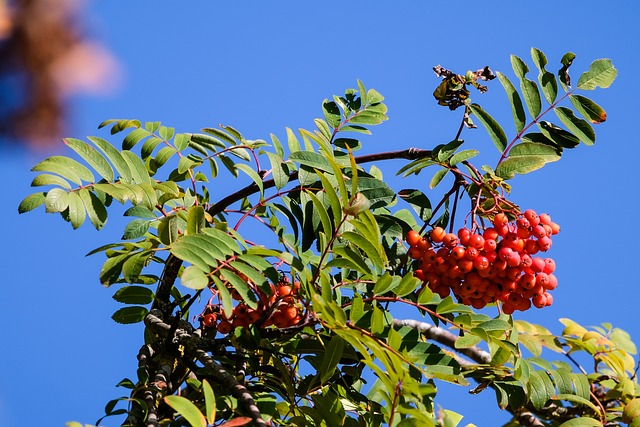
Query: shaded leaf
(580,128)
(128,315)
(418,201)
(134,295)
(95,208)
(563,73)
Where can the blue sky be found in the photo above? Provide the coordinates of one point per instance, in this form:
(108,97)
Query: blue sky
(263,66)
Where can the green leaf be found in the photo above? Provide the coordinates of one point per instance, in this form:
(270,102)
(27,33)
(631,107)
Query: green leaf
(331,113)
(312,159)
(581,422)
(77,213)
(138,170)
(168,230)
(580,128)
(187,409)
(58,165)
(494,129)
(517,109)
(279,170)
(438,177)
(526,157)
(133,265)
(31,202)
(418,201)
(194,278)
(209,402)
(195,219)
(255,177)
(57,200)
(462,156)
(114,157)
(334,351)
(247,294)
(547,80)
(136,228)
(559,136)
(467,340)
(601,73)
(95,208)
(540,388)
(529,88)
(589,109)
(447,305)
(134,137)
(164,154)
(128,315)
(134,295)
(48,179)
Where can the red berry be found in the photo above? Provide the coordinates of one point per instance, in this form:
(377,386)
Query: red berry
(549,265)
(209,320)
(532,217)
(545,219)
(481,262)
(476,241)
(463,235)
(450,240)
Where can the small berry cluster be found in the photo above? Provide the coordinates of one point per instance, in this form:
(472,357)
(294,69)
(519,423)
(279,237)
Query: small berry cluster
(497,265)
(281,309)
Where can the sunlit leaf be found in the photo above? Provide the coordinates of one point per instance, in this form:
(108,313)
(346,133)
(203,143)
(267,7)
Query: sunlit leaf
(76,213)
(114,157)
(601,73)
(187,409)
(194,278)
(91,156)
(31,202)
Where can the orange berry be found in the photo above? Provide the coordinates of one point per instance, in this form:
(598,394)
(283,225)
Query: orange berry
(413,238)
(437,234)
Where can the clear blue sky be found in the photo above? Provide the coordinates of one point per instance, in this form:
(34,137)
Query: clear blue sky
(261,66)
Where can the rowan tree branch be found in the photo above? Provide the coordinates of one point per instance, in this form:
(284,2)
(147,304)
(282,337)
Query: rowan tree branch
(409,154)
(445,337)
(442,336)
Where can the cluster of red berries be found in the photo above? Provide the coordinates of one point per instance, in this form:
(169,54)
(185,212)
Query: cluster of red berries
(498,265)
(281,309)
